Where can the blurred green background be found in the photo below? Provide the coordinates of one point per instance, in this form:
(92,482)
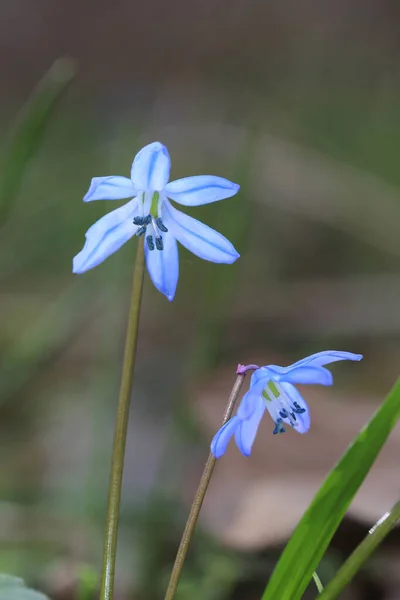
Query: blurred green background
(298,102)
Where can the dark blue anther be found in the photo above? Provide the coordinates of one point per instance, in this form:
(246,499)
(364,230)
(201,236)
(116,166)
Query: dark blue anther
(141,231)
(284,414)
(293,416)
(279,427)
(159,243)
(297,408)
(161,225)
(150,242)
(138,221)
(147,220)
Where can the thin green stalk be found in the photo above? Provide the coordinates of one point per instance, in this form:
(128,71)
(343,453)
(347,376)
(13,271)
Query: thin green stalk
(198,500)
(117,462)
(318,582)
(375,536)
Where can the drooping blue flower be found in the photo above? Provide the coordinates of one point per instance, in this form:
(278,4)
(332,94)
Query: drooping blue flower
(272,388)
(150,213)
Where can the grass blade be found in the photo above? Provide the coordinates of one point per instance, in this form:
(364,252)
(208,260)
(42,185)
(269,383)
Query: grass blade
(29,129)
(320,521)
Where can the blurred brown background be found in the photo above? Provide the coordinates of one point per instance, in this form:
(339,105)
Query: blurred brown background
(299,103)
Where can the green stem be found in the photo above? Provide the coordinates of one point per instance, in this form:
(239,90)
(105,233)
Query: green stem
(198,500)
(117,462)
(347,571)
(318,582)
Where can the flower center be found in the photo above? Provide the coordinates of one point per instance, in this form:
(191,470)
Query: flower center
(150,223)
(285,408)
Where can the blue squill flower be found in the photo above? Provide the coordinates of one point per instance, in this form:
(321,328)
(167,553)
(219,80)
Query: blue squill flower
(272,388)
(150,213)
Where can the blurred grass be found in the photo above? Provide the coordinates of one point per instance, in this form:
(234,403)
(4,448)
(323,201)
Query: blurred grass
(28,132)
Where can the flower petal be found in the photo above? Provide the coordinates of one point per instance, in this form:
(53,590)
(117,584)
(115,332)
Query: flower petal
(110,188)
(245,434)
(327,356)
(303,419)
(222,437)
(150,168)
(163,266)
(301,374)
(259,379)
(106,236)
(197,237)
(201,189)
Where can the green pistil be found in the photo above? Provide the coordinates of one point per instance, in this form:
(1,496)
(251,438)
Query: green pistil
(154,205)
(273,389)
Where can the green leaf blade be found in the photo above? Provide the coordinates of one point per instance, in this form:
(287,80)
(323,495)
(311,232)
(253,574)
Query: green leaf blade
(320,521)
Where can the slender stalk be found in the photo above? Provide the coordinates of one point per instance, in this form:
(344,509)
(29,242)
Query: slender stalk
(200,494)
(117,461)
(375,536)
(318,582)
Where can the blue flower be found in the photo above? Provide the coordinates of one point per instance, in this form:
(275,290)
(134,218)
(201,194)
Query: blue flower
(150,213)
(272,388)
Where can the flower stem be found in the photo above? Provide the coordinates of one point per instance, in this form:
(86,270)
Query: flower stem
(198,500)
(318,582)
(347,571)
(121,425)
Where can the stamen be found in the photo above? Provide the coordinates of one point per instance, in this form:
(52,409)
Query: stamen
(297,408)
(284,413)
(159,243)
(147,220)
(150,242)
(293,416)
(161,225)
(138,221)
(279,427)
(141,231)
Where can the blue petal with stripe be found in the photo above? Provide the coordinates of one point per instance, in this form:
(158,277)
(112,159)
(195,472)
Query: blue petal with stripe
(197,237)
(163,266)
(326,357)
(200,189)
(150,168)
(245,433)
(110,188)
(106,236)
(222,437)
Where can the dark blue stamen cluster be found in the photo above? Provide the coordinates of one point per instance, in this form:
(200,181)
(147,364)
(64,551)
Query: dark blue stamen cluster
(141,231)
(150,242)
(161,225)
(279,427)
(297,408)
(142,220)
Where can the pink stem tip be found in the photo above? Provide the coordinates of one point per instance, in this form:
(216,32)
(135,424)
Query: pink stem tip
(242,369)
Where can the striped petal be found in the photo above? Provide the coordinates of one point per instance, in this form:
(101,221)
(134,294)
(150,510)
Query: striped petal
(150,168)
(245,434)
(163,266)
(326,357)
(197,237)
(301,374)
(106,236)
(222,437)
(201,189)
(109,188)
